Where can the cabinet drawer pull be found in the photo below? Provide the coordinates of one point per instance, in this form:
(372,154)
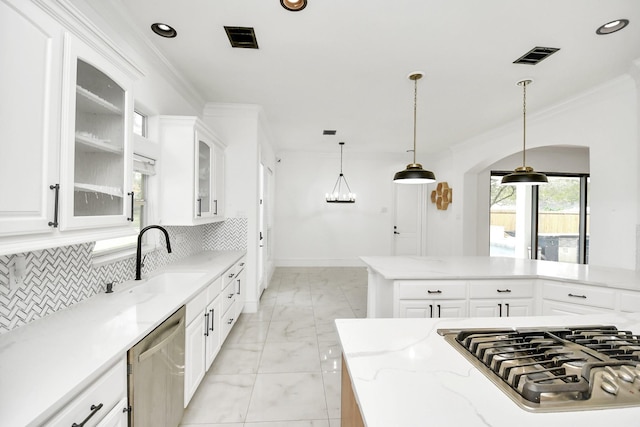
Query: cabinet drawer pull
(230,296)
(94,410)
(131,217)
(434,292)
(206,324)
(231,275)
(230,321)
(504,291)
(578,296)
(56,199)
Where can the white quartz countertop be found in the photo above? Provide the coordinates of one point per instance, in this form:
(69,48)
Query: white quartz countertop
(484,267)
(50,360)
(404,374)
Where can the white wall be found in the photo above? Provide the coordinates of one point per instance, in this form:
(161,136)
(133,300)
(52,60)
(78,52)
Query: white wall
(604,120)
(312,232)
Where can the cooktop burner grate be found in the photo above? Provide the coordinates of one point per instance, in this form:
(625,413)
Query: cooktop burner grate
(557,369)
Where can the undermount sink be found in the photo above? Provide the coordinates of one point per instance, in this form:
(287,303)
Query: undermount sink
(163,282)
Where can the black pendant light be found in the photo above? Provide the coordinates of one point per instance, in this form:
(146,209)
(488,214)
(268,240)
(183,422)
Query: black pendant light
(524,174)
(414,174)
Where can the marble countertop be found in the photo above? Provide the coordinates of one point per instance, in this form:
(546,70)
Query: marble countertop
(404,374)
(48,361)
(484,267)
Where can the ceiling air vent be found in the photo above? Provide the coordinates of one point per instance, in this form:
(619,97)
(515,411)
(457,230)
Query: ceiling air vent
(243,37)
(328,132)
(536,55)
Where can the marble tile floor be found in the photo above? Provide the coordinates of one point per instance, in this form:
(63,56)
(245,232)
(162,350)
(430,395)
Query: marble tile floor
(280,367)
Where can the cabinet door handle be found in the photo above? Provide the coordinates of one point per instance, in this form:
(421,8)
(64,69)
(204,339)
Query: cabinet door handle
(578,296)
(500,307)
(199,207)
(215,209)
(212,311)
(238,287)
(434,292)
(131,217)
(56,202)
(439,311)
(504,291)
(431,311)
(206,324)
(94,410)
(507,305)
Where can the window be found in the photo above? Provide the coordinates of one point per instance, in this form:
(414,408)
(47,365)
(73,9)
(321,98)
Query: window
(139,124)
(553,218)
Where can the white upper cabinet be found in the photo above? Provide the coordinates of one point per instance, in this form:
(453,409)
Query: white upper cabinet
(96,140)
(192,175)
(31,58)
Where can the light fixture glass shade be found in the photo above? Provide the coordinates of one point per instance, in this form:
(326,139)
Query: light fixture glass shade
(294,5)
(414,174)
(526,176)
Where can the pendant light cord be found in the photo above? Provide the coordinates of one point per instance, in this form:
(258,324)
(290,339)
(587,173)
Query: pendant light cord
(524,123)
(415,108)
(341,146)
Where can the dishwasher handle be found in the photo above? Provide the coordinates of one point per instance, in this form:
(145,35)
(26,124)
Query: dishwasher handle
(147,354)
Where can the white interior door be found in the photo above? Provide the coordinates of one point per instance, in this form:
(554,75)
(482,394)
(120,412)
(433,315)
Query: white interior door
(408,219)
(261,232)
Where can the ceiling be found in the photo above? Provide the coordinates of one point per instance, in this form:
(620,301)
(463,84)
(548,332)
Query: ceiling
(343,65)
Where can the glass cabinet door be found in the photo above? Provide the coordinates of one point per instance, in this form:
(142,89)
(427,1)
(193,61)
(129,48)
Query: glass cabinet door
(203,199)
(99,144)
(97,158)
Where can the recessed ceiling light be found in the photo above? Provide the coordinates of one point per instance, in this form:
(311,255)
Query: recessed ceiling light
(164,30)
(612,27)
(294,5)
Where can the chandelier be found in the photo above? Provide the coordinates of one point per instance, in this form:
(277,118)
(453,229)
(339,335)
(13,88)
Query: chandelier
(338,195)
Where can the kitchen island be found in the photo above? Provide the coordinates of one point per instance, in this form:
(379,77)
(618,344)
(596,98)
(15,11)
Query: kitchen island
(403,374)
(613,289)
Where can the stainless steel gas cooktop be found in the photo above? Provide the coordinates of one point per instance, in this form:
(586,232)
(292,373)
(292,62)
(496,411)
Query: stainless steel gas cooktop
(556,369)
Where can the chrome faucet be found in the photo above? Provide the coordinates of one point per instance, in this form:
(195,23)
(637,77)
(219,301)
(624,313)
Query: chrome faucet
(139,249)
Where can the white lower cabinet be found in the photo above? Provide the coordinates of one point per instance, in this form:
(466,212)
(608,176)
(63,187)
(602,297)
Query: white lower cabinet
(103,403)
(571,298)
(118,417)
(501,307)
(432,308)
(212,331)
(194,357)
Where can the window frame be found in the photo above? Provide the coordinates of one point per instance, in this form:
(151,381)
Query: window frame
(582,227)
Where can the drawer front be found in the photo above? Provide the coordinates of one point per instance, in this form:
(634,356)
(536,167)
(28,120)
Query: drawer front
(501,288)
(630,302)
(107,391)
(227,321)
(432,289)
(579,294)
(196,306)
(229,275)
(214,289)
(228,296)
(240,266)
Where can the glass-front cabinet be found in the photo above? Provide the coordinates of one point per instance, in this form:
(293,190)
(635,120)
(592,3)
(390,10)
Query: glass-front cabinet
(204,178)
(97,151)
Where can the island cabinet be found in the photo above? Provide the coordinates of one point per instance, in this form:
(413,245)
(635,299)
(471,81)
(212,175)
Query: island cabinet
(430,298)
(192,177)
(574,298)
(501,298)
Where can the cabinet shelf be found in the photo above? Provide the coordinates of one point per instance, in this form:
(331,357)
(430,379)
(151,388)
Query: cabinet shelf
(89,102)
(92,188)
(88,144)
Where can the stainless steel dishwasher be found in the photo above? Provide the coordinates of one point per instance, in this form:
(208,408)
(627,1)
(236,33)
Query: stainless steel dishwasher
(156,375)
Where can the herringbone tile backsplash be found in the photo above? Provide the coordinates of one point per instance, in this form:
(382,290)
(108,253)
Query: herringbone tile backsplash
(60,277)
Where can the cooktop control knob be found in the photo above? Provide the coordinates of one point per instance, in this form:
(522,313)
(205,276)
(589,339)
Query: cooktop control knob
(610,381)
(627,373)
